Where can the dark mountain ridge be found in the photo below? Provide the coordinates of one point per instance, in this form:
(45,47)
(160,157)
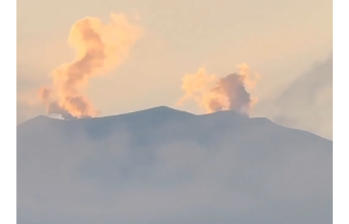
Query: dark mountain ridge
(162,165)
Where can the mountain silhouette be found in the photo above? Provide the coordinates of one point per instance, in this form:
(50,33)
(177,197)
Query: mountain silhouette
(162,165)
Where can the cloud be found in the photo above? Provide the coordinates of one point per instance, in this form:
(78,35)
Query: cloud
(306,103)
(308,86)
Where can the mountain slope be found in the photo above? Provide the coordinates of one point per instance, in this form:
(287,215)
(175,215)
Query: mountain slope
(166,166)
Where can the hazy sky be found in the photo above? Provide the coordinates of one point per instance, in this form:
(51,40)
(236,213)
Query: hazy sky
(281,40)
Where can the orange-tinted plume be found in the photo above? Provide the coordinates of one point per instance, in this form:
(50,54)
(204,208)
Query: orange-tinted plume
(99,48)
(215,94)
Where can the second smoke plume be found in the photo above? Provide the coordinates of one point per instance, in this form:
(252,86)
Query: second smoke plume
(216,94)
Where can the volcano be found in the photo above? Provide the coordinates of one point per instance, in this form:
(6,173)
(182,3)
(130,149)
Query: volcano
(162,165)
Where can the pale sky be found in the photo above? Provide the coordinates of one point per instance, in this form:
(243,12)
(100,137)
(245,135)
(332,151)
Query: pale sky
(281,40)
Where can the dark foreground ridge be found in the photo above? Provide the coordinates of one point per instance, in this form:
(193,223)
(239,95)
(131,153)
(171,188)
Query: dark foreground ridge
(163,122)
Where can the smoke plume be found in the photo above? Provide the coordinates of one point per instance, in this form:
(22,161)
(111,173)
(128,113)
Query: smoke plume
(99,48)
(216,94)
